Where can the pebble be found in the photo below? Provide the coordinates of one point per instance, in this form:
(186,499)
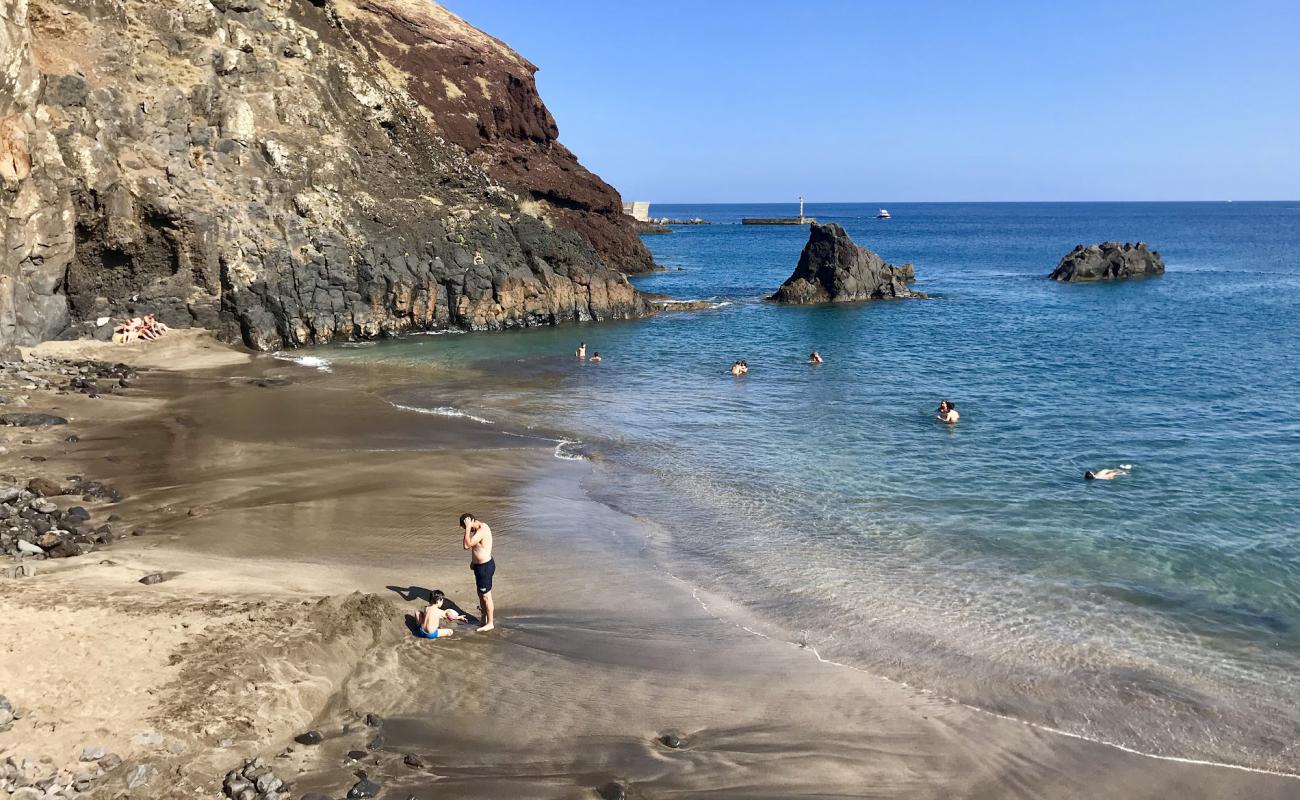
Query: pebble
(110,761)
(153,578)
(376,743)
(613,791)
(357,755)
(363,788)
(374,720)
(672,740)
(139,776)
(309,737)
(413,761)
(93,753)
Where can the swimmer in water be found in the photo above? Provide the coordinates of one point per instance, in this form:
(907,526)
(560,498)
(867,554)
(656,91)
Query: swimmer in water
(581,352)
(947,413)
(595,358)
(815,358)
(1106,474)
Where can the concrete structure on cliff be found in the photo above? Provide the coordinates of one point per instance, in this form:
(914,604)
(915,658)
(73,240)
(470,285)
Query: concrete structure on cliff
(638,210)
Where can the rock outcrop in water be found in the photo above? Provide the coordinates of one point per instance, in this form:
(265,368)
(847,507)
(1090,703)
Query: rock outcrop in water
(288,172)
(832,269)
(1108,261)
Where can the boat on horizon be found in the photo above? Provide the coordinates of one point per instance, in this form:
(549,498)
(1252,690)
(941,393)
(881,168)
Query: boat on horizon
(884,214)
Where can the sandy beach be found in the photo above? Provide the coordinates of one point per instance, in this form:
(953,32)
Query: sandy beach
(297,518)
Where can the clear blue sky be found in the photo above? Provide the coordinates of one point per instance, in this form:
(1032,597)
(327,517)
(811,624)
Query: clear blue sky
(712,101)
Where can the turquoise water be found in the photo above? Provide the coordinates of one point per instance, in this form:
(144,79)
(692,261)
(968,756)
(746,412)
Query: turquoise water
(1160,611)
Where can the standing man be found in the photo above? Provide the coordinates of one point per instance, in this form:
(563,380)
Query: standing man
(478,541)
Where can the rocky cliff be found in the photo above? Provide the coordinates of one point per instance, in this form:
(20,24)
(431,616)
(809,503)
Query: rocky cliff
(290,172)
(1107,262)
(832,269)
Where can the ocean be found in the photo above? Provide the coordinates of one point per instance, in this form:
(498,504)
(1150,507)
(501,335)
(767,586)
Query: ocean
(1159,611)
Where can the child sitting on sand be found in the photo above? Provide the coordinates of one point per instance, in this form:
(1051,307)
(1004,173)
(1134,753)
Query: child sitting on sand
(429,620)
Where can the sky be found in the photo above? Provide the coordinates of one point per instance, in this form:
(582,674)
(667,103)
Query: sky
(721,101)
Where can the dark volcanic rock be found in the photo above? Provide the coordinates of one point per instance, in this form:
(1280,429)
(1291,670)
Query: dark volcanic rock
(363,788)
(30,420)
(290,173)
(413,761)
(1108,261)
(309,737)
(832,269)
(614,790)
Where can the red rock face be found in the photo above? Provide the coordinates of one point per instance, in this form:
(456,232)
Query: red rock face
(481,95)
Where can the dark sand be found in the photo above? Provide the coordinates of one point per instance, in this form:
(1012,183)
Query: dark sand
(320,488)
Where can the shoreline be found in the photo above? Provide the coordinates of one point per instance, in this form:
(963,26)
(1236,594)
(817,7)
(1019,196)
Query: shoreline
(597,647)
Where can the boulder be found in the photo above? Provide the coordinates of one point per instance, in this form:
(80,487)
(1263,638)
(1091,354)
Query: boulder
(1108,261)
(832,269)
(44,487)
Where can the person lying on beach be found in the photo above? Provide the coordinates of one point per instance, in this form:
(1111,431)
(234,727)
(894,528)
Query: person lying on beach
(1106,474)
(146,328)
(125,333)
(947,413)
(477,540)
(154,325)
(815,358)
(595,358)
(581,352)
(431,618)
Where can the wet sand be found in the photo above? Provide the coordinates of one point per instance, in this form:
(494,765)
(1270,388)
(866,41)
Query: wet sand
(287,494)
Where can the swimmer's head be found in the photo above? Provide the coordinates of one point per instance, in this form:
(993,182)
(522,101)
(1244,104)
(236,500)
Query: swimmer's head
(1089,476)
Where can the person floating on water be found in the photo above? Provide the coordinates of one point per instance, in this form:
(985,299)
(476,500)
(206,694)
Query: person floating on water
(581,352)
(1107,474)
(739,368)
(947,413)
(595,358)
(815,358)
(478,541)
(431,618)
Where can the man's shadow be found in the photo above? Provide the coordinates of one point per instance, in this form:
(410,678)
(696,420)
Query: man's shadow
(409,593)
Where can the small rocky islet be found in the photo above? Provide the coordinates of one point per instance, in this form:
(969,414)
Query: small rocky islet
(833,269)
(1108,261)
